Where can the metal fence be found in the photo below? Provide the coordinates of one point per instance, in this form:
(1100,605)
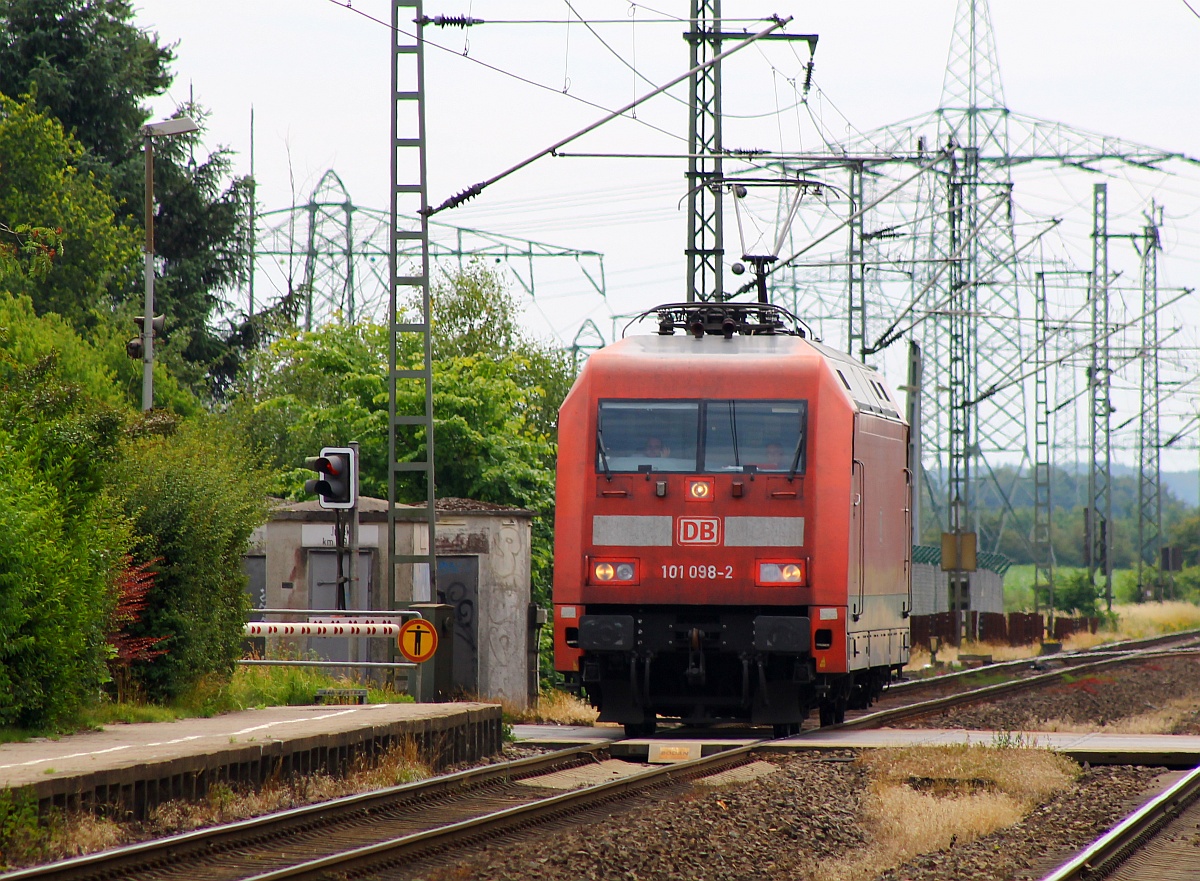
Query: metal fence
(330,623)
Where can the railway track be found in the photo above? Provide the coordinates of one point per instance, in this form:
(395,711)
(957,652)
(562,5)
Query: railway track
(916,710)
(1030,671)
(381,828)
(1158,841)
(412,822)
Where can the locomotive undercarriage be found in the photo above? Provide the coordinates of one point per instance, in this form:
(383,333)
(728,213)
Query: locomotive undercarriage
(711,664)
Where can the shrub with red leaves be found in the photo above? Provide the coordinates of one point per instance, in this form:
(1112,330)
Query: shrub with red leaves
(133,584)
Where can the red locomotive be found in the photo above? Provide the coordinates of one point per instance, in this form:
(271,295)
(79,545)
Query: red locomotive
(732,525)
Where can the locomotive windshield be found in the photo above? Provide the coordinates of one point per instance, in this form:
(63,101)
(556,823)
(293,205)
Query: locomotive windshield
(701,436)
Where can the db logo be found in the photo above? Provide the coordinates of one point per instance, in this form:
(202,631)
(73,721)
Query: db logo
(698,531)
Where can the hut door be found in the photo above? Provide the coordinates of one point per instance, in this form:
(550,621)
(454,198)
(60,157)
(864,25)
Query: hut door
(458,586)
(323,596)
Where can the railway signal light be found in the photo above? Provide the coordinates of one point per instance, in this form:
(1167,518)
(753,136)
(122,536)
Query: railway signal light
(337,487)
(136,347)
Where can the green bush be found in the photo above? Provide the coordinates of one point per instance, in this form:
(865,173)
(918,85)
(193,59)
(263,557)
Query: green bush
(1075,592)
(1186,585)
(194,495)
(62,541)
(54,578)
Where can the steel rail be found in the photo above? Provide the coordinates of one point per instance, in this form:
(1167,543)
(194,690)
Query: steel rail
(1073,657)
(935,705)
(215,839)
(138,857)
(1182,635)
(408,846)
(1107,852)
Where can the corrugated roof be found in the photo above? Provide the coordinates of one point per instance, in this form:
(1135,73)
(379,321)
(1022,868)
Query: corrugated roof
(932,556)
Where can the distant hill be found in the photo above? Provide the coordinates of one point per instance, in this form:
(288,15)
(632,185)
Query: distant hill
(1184,485)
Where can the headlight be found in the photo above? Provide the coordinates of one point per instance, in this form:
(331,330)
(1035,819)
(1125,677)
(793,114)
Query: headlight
(783,572)
(614,571)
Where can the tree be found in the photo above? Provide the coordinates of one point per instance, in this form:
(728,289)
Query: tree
(1186,536)
(60,428)
(91,255)
(474,314)
(202,235)
(495,401)
(328,386)
(86,63)
(1075,592)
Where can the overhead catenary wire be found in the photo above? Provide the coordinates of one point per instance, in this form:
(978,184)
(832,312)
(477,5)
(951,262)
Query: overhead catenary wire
(633,67)
(1117,328)
(861,210)
(476,189)
(346,4)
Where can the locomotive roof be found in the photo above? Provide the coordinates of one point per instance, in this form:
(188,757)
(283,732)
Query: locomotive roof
(764,352)
(688,346)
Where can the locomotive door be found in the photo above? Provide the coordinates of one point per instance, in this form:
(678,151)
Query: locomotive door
(858,537)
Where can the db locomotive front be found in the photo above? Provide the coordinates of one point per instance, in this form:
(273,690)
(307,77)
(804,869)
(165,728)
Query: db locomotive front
(732,525)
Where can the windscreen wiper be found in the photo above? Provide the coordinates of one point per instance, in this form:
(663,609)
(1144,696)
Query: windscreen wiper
(796,458)
(737,458)
(603,453)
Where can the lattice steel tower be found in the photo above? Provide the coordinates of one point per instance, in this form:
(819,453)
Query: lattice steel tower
(1097,526)
(705,175)
(409,197)
(970,285)
(1149,476)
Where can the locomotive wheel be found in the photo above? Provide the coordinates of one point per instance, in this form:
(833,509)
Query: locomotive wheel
(833,712)
(827,713)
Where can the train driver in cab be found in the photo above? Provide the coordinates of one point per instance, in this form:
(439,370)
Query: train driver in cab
(655,448)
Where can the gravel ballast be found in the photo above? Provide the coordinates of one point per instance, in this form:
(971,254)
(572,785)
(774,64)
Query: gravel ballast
(793,823)
(786,825)
(1096,698)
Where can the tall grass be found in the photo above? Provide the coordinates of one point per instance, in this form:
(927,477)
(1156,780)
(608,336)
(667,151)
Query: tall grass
(1140,620)
(248,688)
(555,707)
(26,840)
(253,687)
(923,798)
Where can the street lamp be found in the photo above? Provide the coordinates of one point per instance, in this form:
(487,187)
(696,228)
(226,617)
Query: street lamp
(180,125)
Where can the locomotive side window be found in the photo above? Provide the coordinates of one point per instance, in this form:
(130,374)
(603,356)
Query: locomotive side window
(647,435)
(763,435)
(701,436)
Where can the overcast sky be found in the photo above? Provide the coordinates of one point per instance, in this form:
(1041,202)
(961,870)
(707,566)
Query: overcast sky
(316,74)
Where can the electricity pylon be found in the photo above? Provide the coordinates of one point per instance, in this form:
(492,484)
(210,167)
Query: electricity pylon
(333,254)
(970,282)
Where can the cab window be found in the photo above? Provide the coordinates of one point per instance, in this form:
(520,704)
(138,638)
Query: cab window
(648,435)
(701,436)
(758,435)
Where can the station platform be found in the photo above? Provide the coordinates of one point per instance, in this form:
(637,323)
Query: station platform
(132,768)
(1167,750)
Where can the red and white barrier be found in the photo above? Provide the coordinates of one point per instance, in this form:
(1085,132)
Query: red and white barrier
(356,627)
